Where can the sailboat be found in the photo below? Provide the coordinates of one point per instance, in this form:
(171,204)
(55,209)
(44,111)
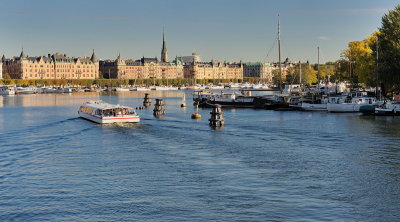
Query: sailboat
(317,103)
(278,102)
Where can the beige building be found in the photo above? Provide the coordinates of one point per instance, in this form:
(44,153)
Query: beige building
(213,70)
(195,57)
(56,66)
(1,67)
(259,70)
(145,68)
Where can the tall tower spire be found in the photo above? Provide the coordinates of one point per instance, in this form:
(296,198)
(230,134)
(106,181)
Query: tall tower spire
(164,50)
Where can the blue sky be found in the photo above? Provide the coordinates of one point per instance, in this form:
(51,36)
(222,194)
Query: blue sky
(231,30)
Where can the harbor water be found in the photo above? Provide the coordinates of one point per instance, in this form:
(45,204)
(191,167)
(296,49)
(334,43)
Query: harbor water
(262,165)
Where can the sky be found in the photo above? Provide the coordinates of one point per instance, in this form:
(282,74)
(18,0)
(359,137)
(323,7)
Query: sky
(225,30)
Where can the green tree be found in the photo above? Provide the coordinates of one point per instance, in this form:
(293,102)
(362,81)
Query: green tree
(389,49)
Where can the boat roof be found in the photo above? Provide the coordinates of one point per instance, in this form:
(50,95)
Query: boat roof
(103,105)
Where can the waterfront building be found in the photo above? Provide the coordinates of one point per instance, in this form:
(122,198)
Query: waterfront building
(284,66)
(1,67)
(213,70)
(56,66)
(259,70)
(144,68)
(195,57)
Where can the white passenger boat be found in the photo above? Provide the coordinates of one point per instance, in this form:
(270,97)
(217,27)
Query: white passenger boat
(101,112)
(7,90)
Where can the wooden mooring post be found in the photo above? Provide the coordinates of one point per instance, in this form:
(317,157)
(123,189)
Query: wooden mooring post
(216,119)
(159,109)
(147,100)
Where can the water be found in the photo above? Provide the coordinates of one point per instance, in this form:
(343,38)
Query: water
(262,166)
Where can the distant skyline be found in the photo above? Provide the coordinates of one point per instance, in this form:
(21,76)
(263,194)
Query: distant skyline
(230,30)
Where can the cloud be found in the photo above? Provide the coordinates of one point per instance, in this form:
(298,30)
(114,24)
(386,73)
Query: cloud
(325,38)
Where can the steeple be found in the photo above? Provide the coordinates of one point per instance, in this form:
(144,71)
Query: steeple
(3,58)
(22,55)
(164,50)
(94,58)
(119,60)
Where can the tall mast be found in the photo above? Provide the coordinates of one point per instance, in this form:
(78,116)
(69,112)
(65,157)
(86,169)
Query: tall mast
(318,76)
(300,72)
(377,68)
(279,52)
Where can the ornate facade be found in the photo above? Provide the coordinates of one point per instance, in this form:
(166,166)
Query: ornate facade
(1,67)
(213,70)
(145,68)
(56,66)
(259,70)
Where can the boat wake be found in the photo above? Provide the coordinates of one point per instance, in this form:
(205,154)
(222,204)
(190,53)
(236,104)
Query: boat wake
(29,129)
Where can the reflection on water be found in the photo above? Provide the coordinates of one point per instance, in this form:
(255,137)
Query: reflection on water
(262,166)
(65,99)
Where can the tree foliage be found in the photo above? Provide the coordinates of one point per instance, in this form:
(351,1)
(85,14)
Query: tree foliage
(389,49)
(362,60)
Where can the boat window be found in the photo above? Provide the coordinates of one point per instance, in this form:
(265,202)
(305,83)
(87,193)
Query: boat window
(87,110)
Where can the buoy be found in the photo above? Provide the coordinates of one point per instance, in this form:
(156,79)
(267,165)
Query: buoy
(196,115)
(183,104)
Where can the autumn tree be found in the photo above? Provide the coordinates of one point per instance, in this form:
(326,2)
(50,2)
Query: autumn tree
(362,60)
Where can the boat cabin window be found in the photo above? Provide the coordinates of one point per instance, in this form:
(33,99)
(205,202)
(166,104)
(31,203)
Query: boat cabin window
(85,109)
(117,112)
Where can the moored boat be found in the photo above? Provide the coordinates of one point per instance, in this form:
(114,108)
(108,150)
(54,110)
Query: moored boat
(121,89)
(349,103)
(387,108)
(7,90)
(101,112)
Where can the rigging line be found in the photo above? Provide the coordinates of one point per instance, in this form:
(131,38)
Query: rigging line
(286,50)
(270,50)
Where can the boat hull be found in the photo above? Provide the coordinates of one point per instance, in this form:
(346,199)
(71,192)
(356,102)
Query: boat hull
(113,119)
(343,107)
(313,107)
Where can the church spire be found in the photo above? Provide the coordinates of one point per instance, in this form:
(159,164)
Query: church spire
(94,58)
(164,50)
(22,55)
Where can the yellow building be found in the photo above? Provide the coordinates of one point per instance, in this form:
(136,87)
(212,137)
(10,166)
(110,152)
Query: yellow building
(213,70)
(144,68)
(56,66)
